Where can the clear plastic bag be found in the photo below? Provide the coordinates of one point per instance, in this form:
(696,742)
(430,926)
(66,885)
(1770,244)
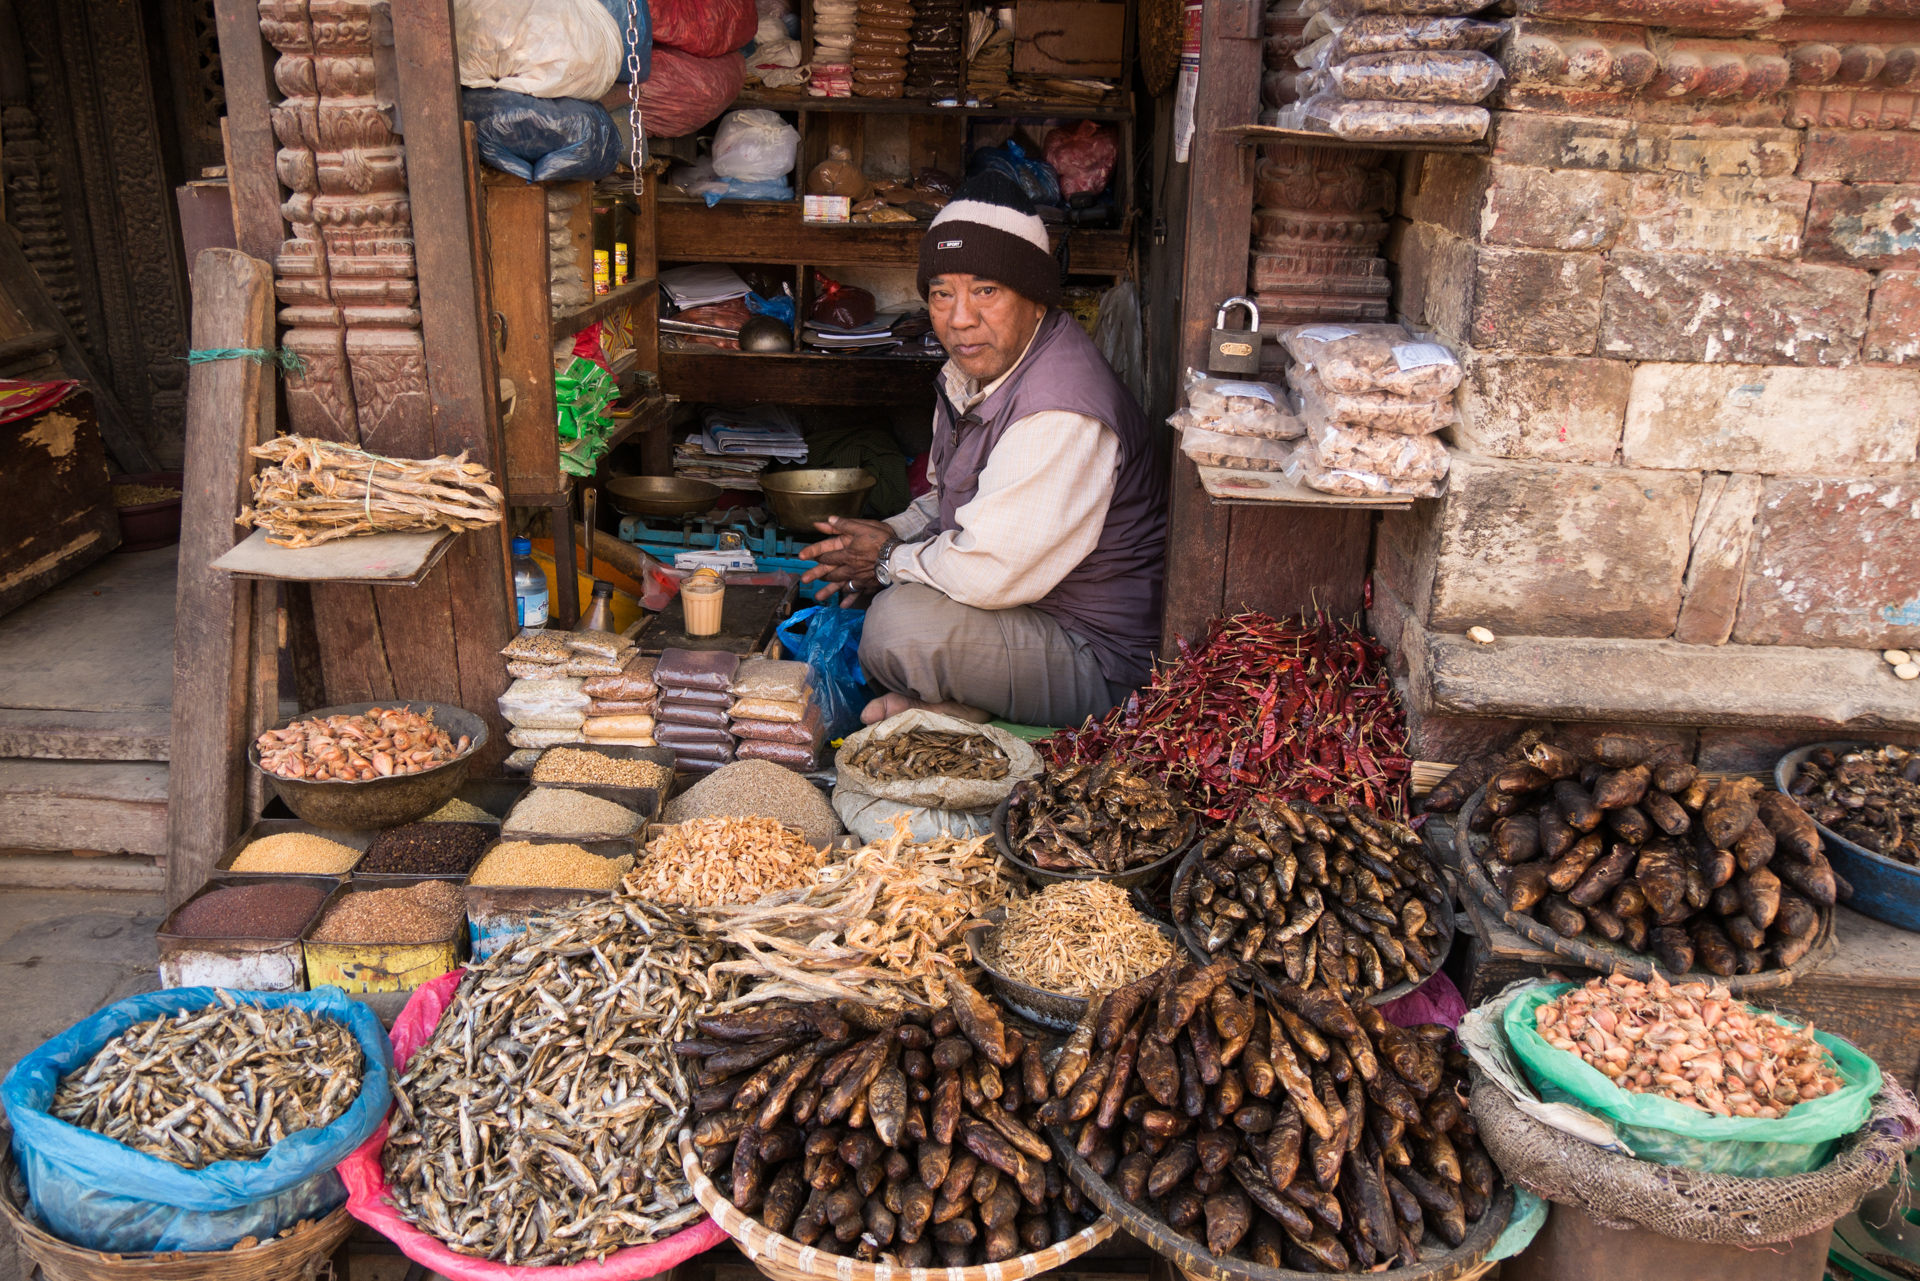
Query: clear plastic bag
(1236,407)
(705,699)
(1412,458)
(794,757)
(634,683)
(696,669)
(1426,8)
(1373,410)
(699,717)
(1359,358)
(551,704)
(538,645)
(1387,32)
(755,146)
(586,666)
(1305,468)
(629,725)
(810,730)
(522,670)
(622,707)
(1386,121)
(784,679)
(1083,157)
(1242,453)
(768,709)
(605,644)
(544,738)
(1435,75)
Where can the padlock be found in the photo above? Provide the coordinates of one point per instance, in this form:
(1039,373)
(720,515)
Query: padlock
(1234,351)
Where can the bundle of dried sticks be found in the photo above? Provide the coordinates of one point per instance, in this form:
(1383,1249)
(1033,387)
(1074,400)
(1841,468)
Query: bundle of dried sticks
(319,490)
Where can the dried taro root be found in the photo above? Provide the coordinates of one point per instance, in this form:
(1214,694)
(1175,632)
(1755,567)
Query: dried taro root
(1869,797)
(1286,1127)
(1627,843)
(911,1137)
(1104,817)
(1330,893)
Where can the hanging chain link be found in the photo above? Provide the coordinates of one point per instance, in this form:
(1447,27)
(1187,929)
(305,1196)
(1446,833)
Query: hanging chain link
(638,160)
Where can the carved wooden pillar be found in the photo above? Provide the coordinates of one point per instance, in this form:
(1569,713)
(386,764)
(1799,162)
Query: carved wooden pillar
(1318,221)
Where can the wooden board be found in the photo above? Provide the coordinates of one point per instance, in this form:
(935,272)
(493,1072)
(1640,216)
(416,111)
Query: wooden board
(121,873)
(747,620)
(56,507)
(752,378)
(67,805)
(1249,135)
(517,233)
(375,560)
(228,401)
(772,232)
(1076,39)
(1230,486)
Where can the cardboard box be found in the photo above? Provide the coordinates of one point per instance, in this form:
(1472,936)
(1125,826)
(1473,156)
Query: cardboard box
(1075,39)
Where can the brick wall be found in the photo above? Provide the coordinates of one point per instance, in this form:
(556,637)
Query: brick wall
(1685,287)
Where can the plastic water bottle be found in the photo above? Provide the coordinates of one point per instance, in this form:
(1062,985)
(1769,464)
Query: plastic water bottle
(529,585)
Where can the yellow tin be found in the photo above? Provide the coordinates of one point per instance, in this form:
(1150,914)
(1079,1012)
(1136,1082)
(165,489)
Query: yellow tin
(377,967)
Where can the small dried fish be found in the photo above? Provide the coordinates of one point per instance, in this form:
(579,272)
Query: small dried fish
(221,1083)
(707,862)
(1105,817)
(931,753)
(535,1127)
(1077,937)
(377,743)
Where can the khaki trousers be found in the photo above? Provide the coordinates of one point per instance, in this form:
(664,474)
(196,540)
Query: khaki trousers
(1019,664)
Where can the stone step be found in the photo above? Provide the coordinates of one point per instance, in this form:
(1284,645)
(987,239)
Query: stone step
(116,808)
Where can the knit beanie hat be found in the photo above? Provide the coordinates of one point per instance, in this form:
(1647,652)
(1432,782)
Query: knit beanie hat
(989,229)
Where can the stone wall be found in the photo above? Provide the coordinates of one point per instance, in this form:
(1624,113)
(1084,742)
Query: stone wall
(1685,287)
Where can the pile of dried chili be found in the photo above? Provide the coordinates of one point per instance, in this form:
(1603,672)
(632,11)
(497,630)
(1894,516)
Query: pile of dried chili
(1262,708)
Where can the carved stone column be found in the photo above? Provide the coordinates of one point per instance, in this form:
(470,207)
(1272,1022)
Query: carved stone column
(1318,221)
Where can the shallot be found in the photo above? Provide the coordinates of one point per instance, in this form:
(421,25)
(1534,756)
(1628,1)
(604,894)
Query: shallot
(379,743)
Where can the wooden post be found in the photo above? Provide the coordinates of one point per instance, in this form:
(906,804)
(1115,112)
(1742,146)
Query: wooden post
(227,401)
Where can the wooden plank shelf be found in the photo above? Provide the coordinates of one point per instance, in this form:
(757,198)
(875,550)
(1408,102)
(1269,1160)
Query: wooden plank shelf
(569,323)
(773,232)
(1231,487)
(373,560)
(1253,135)
(798,378)
(897,107)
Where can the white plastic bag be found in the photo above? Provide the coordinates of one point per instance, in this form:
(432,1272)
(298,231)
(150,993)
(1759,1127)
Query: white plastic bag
(1241,453)
(1307,468)
(1379,411)
(550,704)
(545,48)
(1236,407)
(755,146)
(1412,458)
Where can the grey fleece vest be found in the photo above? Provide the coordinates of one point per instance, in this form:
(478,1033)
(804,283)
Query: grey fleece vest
(1112,598)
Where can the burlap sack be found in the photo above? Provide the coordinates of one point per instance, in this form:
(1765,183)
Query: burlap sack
(938,793)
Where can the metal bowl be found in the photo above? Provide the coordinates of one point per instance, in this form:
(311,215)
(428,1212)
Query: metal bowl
(380,802)
(1126,880)
(800,498)
(1054,1010)
(662,495)
(1884,888)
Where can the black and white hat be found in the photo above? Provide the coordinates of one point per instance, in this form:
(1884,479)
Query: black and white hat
(989,229)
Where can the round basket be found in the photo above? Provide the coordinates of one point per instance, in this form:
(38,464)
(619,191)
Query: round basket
(1055,1011)
(1438,1264)
(1884,888)
(1163,30)
(294,1258)
(785,1259)
(1126,880)
(1441,915)
(1601,955)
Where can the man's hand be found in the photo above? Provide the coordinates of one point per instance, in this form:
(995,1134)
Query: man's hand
(849,557)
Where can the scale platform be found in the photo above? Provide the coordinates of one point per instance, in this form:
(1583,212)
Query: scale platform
(662,536)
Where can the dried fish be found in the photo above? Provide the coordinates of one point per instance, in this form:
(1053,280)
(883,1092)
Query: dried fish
(1870,797)
(319,490)
(220,1083)
(708,862)
(931,753)
(535,1127)
(1105,817)
(1077,937)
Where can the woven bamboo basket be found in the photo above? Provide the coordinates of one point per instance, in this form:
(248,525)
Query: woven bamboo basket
(299,1257)
(784,1259)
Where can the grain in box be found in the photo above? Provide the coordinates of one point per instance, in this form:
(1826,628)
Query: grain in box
(386,950)
(498,914)
(248,941)
(283,828)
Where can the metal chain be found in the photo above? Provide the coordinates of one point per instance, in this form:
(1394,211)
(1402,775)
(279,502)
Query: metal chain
(638,159)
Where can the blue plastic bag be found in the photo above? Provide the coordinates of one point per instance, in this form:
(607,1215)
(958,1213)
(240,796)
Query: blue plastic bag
(618,8)
(1036,177)
(97,1193)
(542,139)
(827,639)
(780,307)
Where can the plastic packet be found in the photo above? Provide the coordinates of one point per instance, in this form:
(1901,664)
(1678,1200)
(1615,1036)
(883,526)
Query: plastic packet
(696,669)
(544,738)
(1373,410)
(701,698)
(791,755)
(551,704)
(1386,32)
(630,725)
(523,760)
(622,707)
(1356,358)
(538,645)
(634,683)
(605,644)
(1425,8)
(754,146)
(701,740)
(1305,468)
(768,709)
(520,669)
(1236,407)
(1242,453)
(1387,121)
(702,717)
(644,740)
(783,679)
(837,175)
(590,665)
(1434,75)
(810,730)
(1082,156)
(1379,452)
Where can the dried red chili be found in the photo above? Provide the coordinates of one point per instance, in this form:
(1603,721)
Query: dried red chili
(1262,708)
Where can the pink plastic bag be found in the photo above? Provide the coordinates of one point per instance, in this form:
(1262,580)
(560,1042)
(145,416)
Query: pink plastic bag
(367,1187)
(703,28)
(685,92)
(1435,1001)
(1083,156)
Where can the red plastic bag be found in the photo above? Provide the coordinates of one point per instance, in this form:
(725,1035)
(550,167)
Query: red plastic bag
(838,304)
(685,92)
(703,28)
(367,1187)
(1083,156)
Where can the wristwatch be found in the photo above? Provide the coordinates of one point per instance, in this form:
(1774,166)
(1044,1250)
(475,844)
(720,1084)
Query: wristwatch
(880,571)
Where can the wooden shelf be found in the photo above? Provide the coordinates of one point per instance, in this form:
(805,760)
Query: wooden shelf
(569,323)
(375,560)
(1232,487)
(898,107)
(798,378)
(1253,135)
(773,232)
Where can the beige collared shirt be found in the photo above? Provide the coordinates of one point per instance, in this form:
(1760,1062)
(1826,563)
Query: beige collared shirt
(1039,509)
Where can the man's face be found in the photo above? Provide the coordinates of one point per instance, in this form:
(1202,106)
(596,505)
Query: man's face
(983,324)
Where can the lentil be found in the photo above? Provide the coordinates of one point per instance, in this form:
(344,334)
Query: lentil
(1077,937)
(425,913)
(747,788)
(555,865)
(572,765)
(266,911)
(562,811)
(459,811)
(427,848)
(296,852)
